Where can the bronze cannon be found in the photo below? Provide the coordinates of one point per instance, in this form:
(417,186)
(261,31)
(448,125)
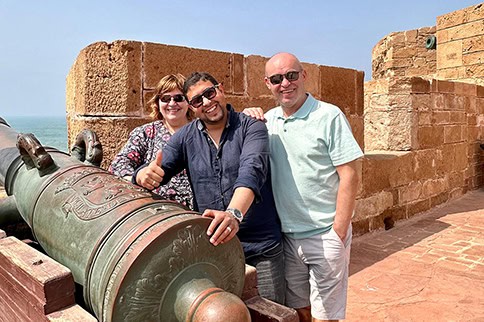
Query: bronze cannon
(137,257)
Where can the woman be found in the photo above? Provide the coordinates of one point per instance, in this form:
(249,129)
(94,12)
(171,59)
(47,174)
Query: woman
(170,112)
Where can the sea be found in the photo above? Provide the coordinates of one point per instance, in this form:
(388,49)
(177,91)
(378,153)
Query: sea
(51,131)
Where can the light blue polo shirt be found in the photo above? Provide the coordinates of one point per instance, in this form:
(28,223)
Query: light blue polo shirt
(305,149)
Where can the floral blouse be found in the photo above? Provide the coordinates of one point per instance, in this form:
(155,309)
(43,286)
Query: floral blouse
(143,144)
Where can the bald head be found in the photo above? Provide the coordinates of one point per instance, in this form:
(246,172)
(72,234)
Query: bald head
(285,77)
(283,59)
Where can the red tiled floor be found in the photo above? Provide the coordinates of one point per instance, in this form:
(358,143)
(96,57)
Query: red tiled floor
(427,268)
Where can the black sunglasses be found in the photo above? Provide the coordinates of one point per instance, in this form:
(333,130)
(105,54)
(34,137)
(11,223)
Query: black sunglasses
(209,94)
(278,78)
(167,98)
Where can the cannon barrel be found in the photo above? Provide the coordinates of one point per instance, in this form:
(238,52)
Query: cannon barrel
(137,257)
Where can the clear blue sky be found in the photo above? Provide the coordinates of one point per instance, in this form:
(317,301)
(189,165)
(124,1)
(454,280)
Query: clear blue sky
(40,40)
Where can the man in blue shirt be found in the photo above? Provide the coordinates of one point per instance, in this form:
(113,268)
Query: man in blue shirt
(226,155)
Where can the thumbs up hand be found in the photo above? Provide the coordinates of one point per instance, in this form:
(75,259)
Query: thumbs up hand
(151,176)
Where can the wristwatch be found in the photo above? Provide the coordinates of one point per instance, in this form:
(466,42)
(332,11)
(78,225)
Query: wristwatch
(236,213)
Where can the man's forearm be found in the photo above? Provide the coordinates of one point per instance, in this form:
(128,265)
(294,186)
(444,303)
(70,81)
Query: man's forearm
(346,199)
(242,199)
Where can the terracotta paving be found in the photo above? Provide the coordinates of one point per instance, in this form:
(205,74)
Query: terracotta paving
(427,268)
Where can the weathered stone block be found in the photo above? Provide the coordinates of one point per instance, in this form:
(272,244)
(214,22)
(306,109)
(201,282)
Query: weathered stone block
(400,101)
(420,85)
(238,74)
(445,159)
(358,128)
(430,136)
(449,54)
(465,89)
(106,80)
(458,117)
(424,118)
(443,86)
(411,35)
(474,71)
(425,164)
(434,187)
(440,198)
(379,102)
(452,73)
(359,104)
(456,179)
(404,52)
(255,66)
(403,170)
(456,193)
(410,192)
(400,85)
(376,134)
(437,101)
(479,103)
(360,227)
(395,213)
(452,134)
(394,130)
(473,58)
(460,156)
(473,44)
(313,80)
(338,86)
(377,172)
(147,110)
(418,207)
(441,117)
(461,31)
(160,60)
(472,133)
(459,16)
(373,205)
(480,91)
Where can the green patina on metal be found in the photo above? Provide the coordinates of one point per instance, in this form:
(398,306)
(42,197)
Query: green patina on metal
(136,256)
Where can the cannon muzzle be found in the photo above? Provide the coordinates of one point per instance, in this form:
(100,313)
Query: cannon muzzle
(137,257)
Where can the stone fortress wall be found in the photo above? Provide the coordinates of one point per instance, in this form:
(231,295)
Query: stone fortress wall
(423,119)
(420,131)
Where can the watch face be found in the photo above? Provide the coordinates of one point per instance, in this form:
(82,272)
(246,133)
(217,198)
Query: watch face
(236,213)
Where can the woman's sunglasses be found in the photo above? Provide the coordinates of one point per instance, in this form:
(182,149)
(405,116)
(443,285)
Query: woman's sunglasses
(209,94)
(167,98)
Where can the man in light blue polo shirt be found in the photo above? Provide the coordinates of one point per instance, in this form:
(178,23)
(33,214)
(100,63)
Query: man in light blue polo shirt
(314,179)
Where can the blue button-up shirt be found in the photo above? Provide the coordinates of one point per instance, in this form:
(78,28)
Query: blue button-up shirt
(241,160)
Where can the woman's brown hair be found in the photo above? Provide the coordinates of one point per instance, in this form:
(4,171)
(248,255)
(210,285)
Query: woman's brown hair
(166,84)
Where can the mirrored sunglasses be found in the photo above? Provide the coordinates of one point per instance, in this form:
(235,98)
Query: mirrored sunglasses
(278,78)
(209,94)
(167,98)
